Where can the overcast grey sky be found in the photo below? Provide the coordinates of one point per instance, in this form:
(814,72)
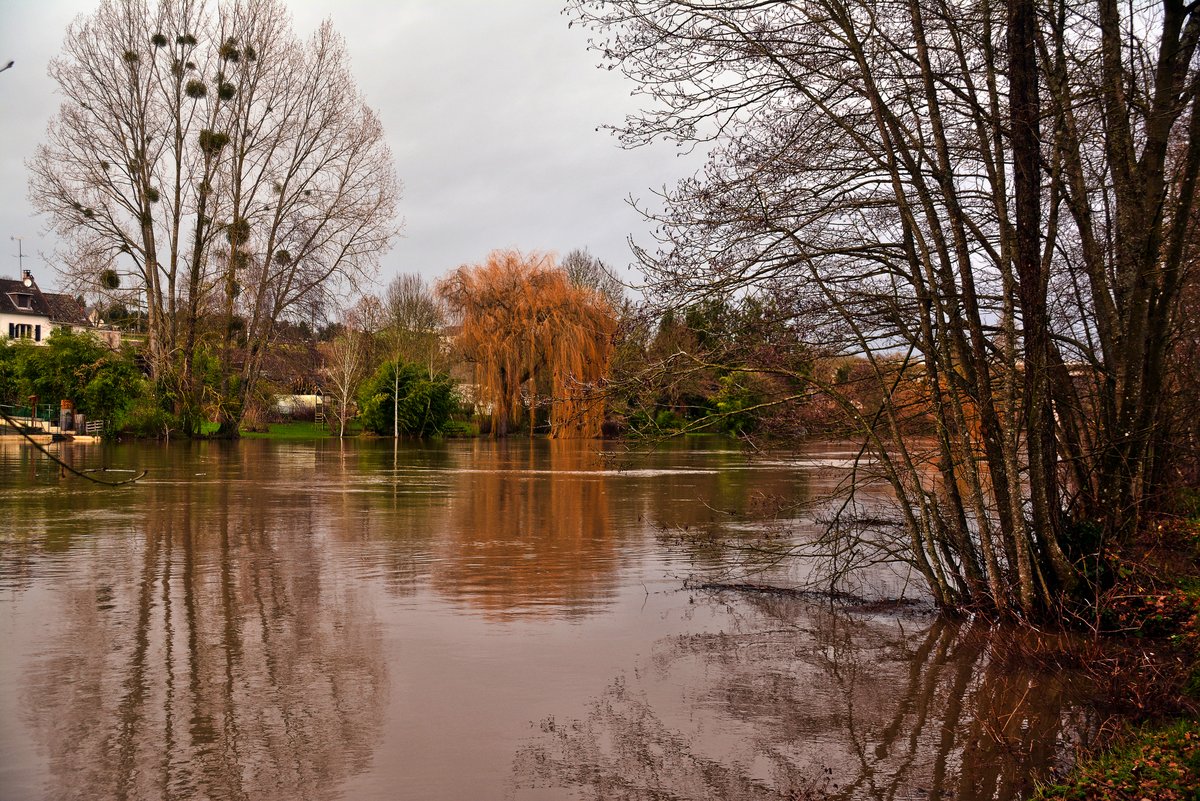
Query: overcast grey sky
(491,110)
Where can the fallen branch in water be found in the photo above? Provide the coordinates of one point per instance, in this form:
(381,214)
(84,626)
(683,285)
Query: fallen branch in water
(81,473)
(793,592)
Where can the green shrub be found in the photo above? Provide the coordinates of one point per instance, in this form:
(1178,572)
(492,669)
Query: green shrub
(455,429)
(424,406)
(668,420)
(72,366)
(738,394)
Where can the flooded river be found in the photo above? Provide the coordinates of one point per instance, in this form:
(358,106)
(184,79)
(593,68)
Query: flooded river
(469,620)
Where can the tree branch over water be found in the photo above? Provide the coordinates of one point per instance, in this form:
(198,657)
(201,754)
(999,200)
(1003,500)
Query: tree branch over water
(84,474)
(1003,191)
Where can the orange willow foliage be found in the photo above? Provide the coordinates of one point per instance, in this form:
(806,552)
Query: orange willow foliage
(523,321)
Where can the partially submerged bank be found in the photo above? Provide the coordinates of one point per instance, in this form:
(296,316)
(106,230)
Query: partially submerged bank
(1133,651)
(1159,763)
(1147,627)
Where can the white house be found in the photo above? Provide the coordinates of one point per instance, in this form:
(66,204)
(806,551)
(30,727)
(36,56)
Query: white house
(26,312)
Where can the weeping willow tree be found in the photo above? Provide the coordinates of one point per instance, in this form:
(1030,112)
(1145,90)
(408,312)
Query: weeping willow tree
(526,326)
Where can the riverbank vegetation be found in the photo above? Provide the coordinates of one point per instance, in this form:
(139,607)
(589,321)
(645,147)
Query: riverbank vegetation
(1144,658)
(1161,763)
(105,384)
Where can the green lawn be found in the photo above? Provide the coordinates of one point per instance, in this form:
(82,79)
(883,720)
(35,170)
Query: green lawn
(290,431)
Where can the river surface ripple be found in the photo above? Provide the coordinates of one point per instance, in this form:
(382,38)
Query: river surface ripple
(471,620)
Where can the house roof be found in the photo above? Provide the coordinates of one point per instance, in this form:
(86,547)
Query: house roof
(65,309)
(9,290)
(58,307)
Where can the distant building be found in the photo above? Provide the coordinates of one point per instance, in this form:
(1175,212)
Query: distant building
(26,312)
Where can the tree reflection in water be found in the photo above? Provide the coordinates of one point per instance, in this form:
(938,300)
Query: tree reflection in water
(230,668)
(530,533)
(800,701)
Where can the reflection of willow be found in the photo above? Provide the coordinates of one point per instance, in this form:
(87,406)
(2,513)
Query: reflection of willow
(225,663)
(532,533)
(842,708)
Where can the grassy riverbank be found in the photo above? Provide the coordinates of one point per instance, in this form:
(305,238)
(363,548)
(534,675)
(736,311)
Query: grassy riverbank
(1148,627)
(290,431)
(1159,763)
(283,431)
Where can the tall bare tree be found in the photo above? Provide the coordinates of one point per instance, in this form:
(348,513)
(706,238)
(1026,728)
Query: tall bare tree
(225,167)
(989,200)
(588,272)
(344,364)
(117,173)
(413,318)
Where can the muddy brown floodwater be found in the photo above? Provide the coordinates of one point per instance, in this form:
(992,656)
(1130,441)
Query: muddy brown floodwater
(469,620)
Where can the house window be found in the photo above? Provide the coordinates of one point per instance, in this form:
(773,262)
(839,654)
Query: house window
(23,301)
(25,331)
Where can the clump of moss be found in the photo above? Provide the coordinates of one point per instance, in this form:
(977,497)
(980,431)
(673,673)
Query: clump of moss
(211,142)
(229,51)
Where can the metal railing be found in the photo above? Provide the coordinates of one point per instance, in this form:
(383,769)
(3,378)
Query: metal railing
(42,413)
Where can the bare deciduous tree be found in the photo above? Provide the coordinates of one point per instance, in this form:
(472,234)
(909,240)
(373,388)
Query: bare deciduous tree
(586,271)
(227,168)
(413,320)
(344,364)
(989,200)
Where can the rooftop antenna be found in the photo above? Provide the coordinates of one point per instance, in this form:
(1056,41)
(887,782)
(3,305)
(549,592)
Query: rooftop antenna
(20,254)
